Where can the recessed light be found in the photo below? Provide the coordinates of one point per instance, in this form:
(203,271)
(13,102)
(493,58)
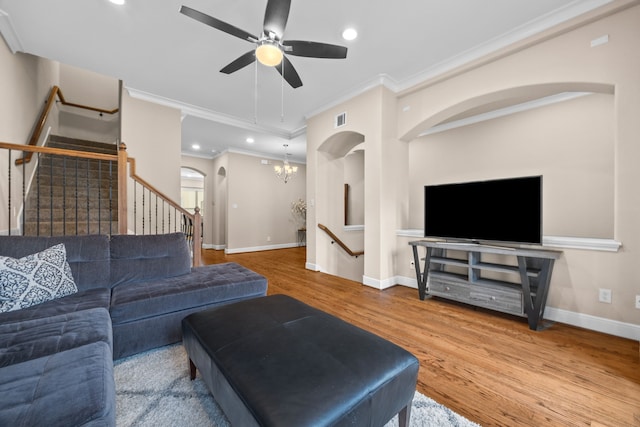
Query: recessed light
(118,2)
(349,34)
(250,140)
(196,146)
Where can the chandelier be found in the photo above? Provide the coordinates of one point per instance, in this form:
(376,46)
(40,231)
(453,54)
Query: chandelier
(286,171)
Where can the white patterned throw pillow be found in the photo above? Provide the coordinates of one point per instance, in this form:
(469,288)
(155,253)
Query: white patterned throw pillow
(34,279)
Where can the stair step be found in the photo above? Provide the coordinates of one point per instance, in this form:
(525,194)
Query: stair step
(69,201)
(71,213)
(74,195)
(64,164)
(44,186)
(60,228)
(58,141)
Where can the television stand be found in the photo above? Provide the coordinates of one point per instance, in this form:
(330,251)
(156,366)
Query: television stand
(457,271)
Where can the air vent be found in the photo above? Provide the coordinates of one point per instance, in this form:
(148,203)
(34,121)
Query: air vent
(341,120)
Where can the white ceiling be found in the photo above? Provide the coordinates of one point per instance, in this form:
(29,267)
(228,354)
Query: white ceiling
(166,57)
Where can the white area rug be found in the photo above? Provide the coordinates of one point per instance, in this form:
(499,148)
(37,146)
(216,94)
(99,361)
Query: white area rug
(153,389)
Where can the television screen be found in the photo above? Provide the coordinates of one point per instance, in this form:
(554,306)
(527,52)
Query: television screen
(503,210)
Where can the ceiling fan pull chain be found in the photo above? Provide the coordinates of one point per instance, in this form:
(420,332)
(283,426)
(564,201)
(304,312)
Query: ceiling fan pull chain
(255,97)
(282,97)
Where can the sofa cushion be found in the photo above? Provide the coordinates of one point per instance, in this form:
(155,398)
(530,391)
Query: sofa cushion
(218,282)
(88,256)
(31,339)
(82,300)
(34,279)
(137,258)
(70,388)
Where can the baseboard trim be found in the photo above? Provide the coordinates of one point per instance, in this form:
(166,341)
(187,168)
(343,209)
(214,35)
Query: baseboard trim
(261,248)
(214,247)
(311,266)
(599,324)
(586,321)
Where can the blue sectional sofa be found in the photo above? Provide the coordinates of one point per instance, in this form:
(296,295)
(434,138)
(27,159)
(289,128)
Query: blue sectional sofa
(56,358)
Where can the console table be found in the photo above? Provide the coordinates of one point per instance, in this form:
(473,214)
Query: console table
(514,281)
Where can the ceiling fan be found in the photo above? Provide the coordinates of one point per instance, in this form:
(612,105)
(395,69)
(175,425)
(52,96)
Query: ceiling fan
(270,47)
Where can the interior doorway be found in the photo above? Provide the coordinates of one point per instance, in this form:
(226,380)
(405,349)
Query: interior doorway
(192,192)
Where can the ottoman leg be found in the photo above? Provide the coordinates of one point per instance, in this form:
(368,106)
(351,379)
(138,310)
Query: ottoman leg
(404,415)
(192,370)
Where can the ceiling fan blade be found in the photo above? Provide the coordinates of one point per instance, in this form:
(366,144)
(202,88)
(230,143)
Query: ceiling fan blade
(239,63)
(217,24)
(290,73)
(276,16)
(315,50)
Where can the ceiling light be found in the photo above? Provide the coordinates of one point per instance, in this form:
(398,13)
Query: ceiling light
(286,171)
(118,2)
(349,34)
(196,146)
(250,140)
(269,53)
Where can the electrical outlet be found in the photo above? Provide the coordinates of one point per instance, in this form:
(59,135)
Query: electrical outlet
(604,295)
(268,238)
(637,301)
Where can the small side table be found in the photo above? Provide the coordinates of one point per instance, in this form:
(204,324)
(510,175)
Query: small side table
(302,237)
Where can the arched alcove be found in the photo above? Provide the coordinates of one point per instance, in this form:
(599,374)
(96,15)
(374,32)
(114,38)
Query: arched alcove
(339,144)
(335,157)
(562,131)
(501,99)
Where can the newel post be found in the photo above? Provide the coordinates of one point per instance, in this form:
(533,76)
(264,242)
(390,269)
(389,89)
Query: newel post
(122,189)
(197,237)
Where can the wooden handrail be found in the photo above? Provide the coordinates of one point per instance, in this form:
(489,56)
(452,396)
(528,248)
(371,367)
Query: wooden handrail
(58,151)
(44,115)
(340,243)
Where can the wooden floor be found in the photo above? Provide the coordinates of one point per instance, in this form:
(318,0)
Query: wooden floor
(486,366)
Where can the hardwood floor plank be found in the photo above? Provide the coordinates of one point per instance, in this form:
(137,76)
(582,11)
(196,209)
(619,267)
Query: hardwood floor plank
(484,365)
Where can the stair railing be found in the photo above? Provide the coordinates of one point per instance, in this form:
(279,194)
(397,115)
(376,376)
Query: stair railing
(152,199)
(159,213)
(335,239)
(56,92)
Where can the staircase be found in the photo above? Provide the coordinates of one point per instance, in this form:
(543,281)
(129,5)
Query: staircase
(73,196)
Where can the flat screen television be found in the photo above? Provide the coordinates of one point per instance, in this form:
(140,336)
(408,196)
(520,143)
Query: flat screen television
(501,210)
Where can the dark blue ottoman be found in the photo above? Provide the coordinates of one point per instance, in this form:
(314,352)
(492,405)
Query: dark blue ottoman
(275,361)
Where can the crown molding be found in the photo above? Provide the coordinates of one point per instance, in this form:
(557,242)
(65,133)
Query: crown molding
(380,80)
(519,34)
(9,33)
(510,38)
(203,113)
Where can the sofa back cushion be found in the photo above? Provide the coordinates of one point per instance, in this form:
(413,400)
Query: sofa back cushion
(136,258)
(88,256)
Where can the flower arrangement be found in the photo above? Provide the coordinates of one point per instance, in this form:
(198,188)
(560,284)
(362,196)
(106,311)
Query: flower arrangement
(299,211)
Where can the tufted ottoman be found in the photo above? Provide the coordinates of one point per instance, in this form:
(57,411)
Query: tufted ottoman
(275,361)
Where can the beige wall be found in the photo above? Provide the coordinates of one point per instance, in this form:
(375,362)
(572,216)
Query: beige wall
(259,204)
(25,82)
(84,87)
(586,148)
(571,144)
(370,115)
(152,135)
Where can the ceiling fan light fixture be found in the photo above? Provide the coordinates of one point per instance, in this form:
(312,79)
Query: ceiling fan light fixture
(350,34)
(269,53)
